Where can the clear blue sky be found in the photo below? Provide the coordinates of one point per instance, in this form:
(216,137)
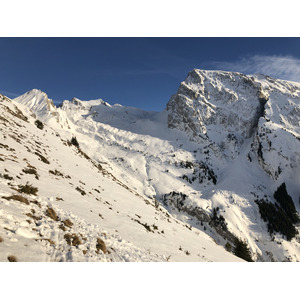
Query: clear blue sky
(139,72)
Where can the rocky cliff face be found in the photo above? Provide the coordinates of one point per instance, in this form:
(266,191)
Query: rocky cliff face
(214,103)
(277,138)
(226,108)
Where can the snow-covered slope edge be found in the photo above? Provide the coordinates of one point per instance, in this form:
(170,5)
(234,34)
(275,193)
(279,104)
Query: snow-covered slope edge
(57,204)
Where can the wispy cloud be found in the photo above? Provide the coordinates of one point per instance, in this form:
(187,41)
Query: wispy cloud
(9,94)
(282,67)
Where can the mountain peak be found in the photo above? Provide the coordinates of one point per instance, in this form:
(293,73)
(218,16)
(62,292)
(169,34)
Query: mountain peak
(36,100)
(215,103)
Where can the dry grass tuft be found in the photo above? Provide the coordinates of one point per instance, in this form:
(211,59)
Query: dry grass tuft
(17,198)
(42,158)
(50,212)
(50,241)
(31,171)
(82,192)
(30,215)
(7,177)
(101,246)
(36,203)
(12,258)
(62,227)
(72,239)
(28,189)
(1,239)
(68,223)
(56,173)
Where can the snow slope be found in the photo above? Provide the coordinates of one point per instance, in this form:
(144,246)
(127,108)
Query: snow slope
(224,141)
(89,203)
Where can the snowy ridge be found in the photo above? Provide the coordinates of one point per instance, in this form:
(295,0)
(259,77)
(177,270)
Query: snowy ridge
(37,101)
(224,142)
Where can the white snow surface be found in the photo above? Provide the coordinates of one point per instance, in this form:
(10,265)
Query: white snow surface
(217,120)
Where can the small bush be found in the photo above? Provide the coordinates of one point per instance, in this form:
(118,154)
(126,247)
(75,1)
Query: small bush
(101,246)
(17,198)
(50,212)
(28,189)
(12,258)
(39,124)
(228,247)
(74,142)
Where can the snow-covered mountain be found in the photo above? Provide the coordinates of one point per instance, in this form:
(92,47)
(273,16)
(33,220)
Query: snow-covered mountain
(215,172)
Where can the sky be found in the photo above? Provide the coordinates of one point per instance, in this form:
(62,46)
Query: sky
(138,72)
